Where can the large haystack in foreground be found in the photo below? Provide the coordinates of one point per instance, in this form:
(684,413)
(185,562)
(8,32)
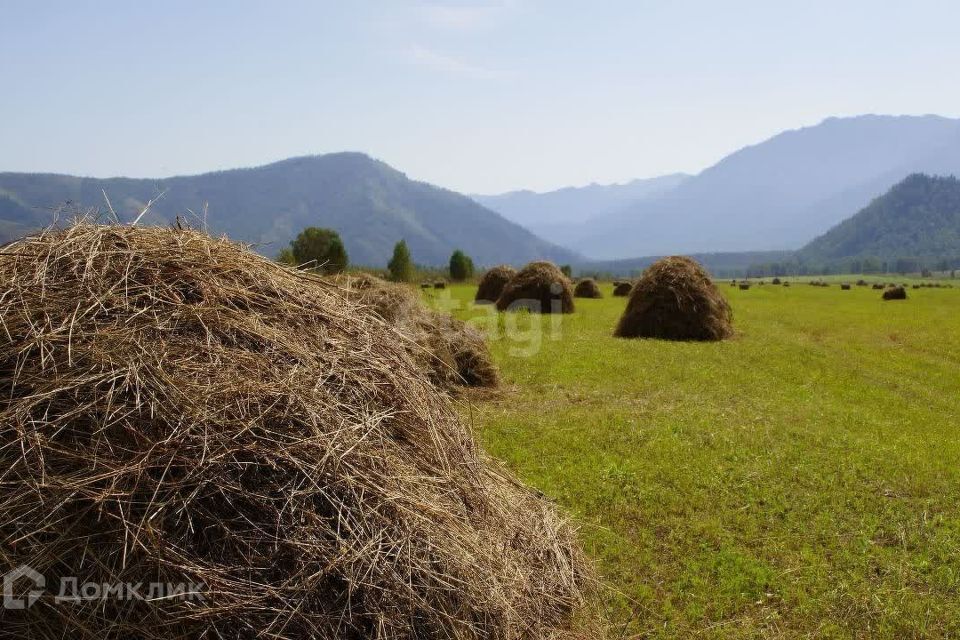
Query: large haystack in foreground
(539,287)
(453,352)
(587,288)
(179,410)
(675,300)
(492,283)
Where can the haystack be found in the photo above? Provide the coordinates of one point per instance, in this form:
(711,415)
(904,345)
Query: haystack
(492,283)
(895,293)
(744,286)
(845,286)
(877,286)
(587,288)
(622,289)
(539,287)
(775,281)
(440,284)
(179,410)
(861,283)
(452,352)
(676,300)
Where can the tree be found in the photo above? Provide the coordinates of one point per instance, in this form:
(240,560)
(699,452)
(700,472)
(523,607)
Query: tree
(566,270)
(400,266)
(461,266)
(286,257)
(321,247)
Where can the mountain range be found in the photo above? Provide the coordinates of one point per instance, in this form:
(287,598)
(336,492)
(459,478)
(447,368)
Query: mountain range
(560,215)
(762,203)
(775,195)
(917,218)
(369,203)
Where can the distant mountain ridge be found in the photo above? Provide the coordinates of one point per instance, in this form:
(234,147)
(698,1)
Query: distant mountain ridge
(369,203)
(559,215)
(780,193)
(917,218)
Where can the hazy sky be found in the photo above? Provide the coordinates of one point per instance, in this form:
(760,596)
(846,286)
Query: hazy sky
(477,97)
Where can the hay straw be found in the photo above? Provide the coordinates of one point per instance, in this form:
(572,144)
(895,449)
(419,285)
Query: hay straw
(178,409)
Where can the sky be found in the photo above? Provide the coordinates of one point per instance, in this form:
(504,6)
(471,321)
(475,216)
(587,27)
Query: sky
(479,97)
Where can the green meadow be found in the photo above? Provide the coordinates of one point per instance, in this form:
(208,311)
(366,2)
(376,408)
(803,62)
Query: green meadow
(801,480)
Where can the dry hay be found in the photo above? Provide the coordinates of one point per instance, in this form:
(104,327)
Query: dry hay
(786,284)
(622,289)
(878,286)
(895,293)
(845,286)
(916,286)
(425,285)
(177,409)
(439,284)
(676,300)
(861,283)
(775,281)
(539,287)
(452,351)
(744,286)
(492,283)
(587,288)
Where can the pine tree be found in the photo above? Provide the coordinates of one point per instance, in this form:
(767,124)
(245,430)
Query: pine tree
(400,265)
(461,266)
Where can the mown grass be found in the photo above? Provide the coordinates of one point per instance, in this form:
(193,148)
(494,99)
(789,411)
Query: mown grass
(801,480)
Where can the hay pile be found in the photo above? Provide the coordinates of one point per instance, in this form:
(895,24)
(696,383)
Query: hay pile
(440,284)
(177,409)
(775,281)
(587,288)
(622,289)
(845,286)
(453,352)
(895,293)
(539,287)
(676,300)
(744,286)
(492,283)
(877,286)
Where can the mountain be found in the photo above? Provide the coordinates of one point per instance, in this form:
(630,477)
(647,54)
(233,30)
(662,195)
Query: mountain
(369,203)
(918,218)
(782,192)
(558,215)
(721,265)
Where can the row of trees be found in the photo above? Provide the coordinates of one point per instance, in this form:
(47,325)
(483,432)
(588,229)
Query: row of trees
(865,266)
(323,250)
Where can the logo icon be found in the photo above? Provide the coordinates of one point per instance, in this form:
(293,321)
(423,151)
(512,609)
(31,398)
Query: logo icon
(11,601)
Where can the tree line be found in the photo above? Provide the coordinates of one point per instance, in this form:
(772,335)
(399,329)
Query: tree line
(322,250)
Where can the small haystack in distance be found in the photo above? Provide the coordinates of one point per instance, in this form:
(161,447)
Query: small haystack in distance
(786,284)
(845,286)
(744,286)
(676,300)
(861,283)
(492,283)
(895,293)
(425,285)
(775,281)
(180,410)
(539,287)
(454,353)
(877,286)
(439,284)
(587,288)
(622,289)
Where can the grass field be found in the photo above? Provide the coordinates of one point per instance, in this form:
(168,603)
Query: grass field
(801,480)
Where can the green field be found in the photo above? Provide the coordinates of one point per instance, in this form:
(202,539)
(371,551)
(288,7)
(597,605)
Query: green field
(801,480)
